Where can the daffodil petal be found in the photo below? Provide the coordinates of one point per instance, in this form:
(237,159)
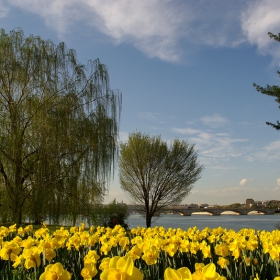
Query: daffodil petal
(185,272)
(197,275)
(104,275)
(136,275)
(209,270)
(172,274)
(57,268)
(113,262)
(125,264)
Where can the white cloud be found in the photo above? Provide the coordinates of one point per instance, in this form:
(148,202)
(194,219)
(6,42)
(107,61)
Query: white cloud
(226,192)
(278,181)
(244,182)
(261,17)
(154,27)
(157,27)
(214,120)
(185,130)
(155,117)
(148,115)
(60,15)
(213,147)
(222,167)
(268,153)
(3,10)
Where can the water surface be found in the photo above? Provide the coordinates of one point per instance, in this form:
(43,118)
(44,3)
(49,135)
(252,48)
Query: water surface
(235,222)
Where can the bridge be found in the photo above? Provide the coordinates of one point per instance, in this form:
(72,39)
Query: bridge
(187,211)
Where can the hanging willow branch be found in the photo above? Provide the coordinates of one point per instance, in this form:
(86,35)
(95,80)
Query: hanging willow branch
(59,121)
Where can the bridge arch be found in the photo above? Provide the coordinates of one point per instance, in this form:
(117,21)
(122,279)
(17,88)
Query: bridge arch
(232,212)
(257,212)
(184,210)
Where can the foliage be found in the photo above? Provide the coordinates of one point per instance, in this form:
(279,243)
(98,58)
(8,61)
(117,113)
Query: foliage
(156,175)
(113,214)
(59,128)
(142,253)
(271,90)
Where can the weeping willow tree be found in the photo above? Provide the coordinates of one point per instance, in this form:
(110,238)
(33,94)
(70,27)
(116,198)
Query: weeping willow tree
(58,127)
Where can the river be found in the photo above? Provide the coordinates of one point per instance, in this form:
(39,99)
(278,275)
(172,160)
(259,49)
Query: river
(235,222)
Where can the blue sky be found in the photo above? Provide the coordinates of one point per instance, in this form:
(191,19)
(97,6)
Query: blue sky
(185,69)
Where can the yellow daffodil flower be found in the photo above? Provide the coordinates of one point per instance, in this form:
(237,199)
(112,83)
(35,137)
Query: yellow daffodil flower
(135,252)
(89,271)
(182,273)
(104,264)
(207,273)
(32,257)
(222,262)
(150,255)
(55,272)
(18,261)
(121,268)
(10,251)
(91,257)
(13,228)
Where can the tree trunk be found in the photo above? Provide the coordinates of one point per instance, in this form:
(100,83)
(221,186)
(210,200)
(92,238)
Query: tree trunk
(17,211)
(148,220)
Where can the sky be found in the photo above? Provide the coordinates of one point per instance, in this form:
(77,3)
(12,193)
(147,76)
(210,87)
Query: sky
(186,70)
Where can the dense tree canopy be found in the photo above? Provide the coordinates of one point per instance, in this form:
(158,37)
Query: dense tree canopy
(272,90)
(58,128)
(155,174)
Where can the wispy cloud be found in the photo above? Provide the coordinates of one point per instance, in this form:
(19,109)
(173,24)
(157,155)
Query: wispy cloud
(213,146)
(225,192)
(152,26)
(268,153)
(60,15)
(214,120)
(158,28)
(155,117)
(216,146)
(261,17)
(3,10)
(244,182)
(185,130)
(222,167)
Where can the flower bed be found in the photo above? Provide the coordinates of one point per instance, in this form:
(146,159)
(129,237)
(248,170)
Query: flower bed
(153,253)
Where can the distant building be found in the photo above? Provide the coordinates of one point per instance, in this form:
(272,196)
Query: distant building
(259,203)
(249,202)
(193,205)
(203,205)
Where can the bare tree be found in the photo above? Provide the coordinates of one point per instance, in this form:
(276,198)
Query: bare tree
(155,174)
